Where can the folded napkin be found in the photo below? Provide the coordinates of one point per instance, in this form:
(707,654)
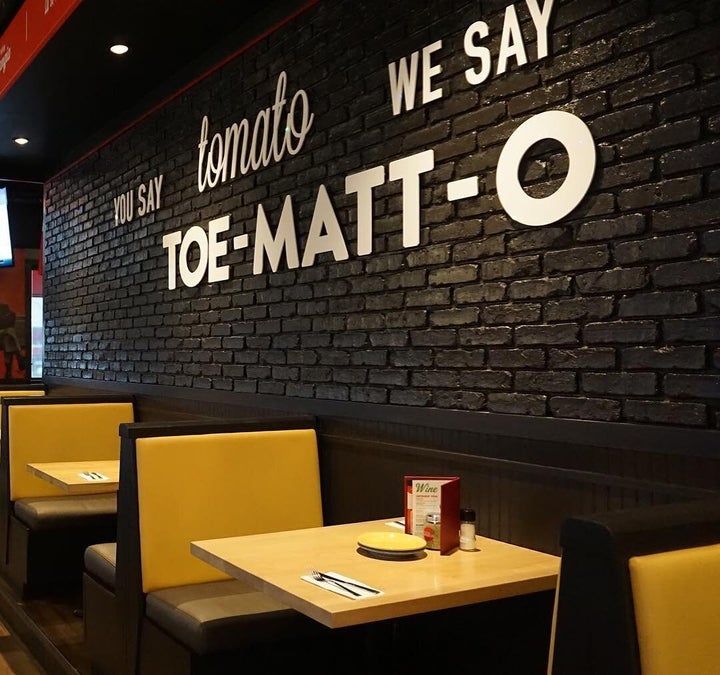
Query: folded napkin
(332,586)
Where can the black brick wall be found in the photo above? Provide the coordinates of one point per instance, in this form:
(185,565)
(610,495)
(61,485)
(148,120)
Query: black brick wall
(611,314)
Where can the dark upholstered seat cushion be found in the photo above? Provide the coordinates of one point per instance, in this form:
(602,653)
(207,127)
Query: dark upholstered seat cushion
(225,615)
(99,562)
(40,513)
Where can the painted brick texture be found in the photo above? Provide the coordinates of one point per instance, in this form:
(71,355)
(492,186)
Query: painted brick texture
(612,313)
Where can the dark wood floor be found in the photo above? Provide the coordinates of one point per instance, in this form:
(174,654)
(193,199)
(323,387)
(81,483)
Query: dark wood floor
(60,620)
(44,636)
(14,657)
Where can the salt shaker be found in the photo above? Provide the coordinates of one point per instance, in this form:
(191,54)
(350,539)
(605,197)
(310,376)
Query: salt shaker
(467,530)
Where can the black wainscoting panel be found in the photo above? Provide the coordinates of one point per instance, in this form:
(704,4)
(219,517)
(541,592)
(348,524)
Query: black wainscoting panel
(518,502)
(522,476)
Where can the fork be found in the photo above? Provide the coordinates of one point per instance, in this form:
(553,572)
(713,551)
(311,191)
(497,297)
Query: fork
(347,582)
(319,576)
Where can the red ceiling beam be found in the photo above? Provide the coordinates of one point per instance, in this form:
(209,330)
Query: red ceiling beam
(34,24)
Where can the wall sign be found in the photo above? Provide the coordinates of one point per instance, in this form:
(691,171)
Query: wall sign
(282,128)
(573,133)
(138,202)
(274,134)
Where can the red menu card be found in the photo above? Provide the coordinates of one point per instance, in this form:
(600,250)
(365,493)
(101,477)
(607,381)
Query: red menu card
(434,494)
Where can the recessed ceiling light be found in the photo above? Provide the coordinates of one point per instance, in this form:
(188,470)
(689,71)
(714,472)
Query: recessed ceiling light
(119,49)
(21,140)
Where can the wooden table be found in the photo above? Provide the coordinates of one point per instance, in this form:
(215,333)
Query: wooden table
(275,562)
(67,475)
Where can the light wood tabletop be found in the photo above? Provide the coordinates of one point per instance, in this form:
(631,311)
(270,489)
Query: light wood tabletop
(80,477)
(275,563)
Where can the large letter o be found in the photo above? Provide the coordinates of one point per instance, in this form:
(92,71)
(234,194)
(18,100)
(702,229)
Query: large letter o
(195,235)
(573,133)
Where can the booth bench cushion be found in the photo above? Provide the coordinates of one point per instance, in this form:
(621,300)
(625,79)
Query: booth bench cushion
(182,483)
(100,561)
(41,513)
(222,615)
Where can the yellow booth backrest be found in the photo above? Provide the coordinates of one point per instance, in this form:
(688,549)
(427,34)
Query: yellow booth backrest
(20,392)
(62,432)
(676,596)
(207,486)
(12,393)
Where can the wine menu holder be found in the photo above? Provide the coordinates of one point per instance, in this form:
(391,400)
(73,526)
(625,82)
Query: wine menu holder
(434,494)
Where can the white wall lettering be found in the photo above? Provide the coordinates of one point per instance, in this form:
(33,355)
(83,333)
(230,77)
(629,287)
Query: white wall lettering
(325,235)
(403,79)
(209,247)
(148,200)
(285,239)
(149,195)
(195,235)
(511,41)
(362,184)
(541,19)
(273,134)
(282,129)
(124,208)
(429,71)
(170,243)
(574,134)
(479,29)
(217,249)
(403,82)
(5,55)
(408,170)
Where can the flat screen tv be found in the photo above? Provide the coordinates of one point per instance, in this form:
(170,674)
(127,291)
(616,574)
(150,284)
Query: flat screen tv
(6,251)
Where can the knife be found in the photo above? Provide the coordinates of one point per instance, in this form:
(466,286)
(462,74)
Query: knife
(350,583)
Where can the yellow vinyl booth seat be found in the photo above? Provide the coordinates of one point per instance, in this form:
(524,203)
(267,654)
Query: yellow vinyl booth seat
(639,592)
(168,611)
(44,530)
(676,596)
(9,393)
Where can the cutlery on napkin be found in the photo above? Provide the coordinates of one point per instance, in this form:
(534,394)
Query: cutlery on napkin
(342,585)
(398,524)
(93,475)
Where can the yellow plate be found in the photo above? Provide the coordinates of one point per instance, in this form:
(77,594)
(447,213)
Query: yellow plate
(391,541)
